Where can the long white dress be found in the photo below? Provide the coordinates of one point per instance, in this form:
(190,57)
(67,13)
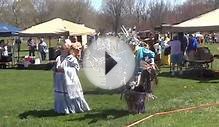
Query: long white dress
(69,96)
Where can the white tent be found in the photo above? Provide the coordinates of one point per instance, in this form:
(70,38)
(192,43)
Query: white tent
(57,26)
(205,22)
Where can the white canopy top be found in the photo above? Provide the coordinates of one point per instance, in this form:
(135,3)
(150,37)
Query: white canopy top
(57,26)
(205,22)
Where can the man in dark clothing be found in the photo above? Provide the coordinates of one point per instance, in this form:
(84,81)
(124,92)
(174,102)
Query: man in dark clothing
(18,45)
(184,43)
(32,46)
(183,40)
(192,47)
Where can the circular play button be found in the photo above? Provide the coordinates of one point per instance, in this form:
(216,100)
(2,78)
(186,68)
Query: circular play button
(109,63)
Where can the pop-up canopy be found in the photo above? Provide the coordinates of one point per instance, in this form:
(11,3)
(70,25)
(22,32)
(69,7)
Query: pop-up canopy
(57,27)
(205,22)
(8,30)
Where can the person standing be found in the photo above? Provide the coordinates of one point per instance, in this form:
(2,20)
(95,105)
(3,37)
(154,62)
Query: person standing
(69,96)
(1,48)
(183,40)
(176,55)
(157,48)
(32,46)
(192,47)
(5,55)
(165,58)
(184,43)
(43,49)
(18,46)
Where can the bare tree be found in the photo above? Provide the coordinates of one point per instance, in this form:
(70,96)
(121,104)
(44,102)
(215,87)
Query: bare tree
(141,13)
(114,8)
(192,8)
(3,4)
(24,12)
(157,12)
(72,10)
(41,7)
(15,10)
(129,6)
(141,10)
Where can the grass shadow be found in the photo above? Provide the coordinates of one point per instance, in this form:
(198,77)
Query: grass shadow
(39,114)
(99,91)
(213,82)
(203,76)
(107,114)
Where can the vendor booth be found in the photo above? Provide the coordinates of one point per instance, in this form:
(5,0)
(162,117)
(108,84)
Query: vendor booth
(7,30)
(6,50)
(55,28)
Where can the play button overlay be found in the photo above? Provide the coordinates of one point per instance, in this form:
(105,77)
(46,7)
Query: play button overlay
(108,63)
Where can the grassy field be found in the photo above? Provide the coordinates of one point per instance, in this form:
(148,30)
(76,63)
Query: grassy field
(26,100)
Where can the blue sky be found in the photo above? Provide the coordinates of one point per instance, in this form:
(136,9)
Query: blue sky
(97,3)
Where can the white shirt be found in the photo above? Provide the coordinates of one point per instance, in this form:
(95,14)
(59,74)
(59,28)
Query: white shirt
(5,52)
(157,48)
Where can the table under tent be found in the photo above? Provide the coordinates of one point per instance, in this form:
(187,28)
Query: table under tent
(207,22)
(56,28)
(6,32)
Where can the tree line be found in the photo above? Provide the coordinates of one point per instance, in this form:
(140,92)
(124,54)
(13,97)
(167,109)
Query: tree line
(144,14)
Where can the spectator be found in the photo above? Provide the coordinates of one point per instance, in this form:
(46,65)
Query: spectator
(213,38)
(193,45)
(183,40)
(78,44)
(166,38)
(206,38)
(165,58)
(18,43)
(157,48)
(176,55)
(1,48)
(43,49)
(32,46)
(18,46)
(5,52)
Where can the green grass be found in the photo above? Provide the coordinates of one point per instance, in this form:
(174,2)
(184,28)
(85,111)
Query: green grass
(26,100)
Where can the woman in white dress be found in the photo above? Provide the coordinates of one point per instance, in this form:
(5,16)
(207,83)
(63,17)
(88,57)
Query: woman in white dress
(69,96)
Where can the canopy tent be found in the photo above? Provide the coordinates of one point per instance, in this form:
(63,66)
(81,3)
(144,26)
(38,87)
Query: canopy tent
(8,30)
(55,27)
(205,22)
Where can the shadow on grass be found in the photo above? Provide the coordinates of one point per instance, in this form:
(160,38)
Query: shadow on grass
(203,76)
(39,114)
(99,91)
(107,114)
